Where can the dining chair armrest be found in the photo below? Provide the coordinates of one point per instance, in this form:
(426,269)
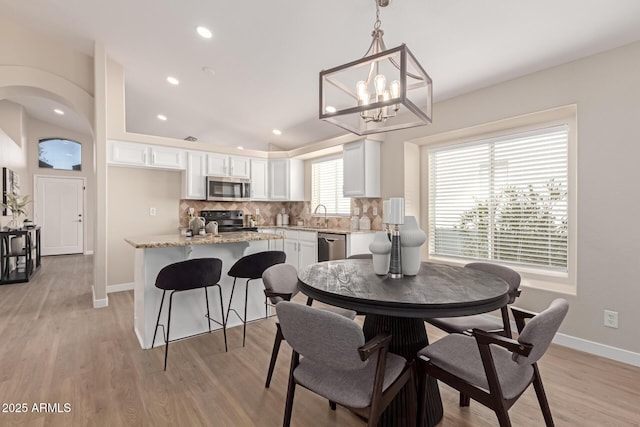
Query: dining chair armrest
(486,338)
(380,341)
(272,294)
(520,315)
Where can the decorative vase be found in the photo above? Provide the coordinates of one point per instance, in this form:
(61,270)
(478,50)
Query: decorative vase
(412,237)
(380,247)
(16,245)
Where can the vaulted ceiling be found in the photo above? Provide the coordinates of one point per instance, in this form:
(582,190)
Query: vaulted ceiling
(259,71)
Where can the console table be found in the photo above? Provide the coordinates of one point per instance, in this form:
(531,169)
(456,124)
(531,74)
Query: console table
(17,265)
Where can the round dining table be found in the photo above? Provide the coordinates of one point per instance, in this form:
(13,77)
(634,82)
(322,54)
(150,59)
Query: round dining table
(399,306)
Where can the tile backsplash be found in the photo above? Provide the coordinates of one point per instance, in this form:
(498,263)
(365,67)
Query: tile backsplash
(296,210)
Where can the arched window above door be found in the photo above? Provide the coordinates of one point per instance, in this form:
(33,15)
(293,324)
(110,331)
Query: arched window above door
(60,153)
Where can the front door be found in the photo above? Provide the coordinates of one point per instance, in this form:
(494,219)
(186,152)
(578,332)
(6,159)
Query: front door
(59,210)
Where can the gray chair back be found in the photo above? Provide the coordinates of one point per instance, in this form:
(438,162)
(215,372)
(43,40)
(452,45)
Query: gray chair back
(281,278)
(323,337)
(540,330)
(505,273)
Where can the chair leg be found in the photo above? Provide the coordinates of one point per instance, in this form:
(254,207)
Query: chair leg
(542,397)
(274,354)
(291,389)
(233,288)
(244,321)
(206,298)
(155,331)
(464,400)
(224,322)
(166,348)
(332,405)
(503,416)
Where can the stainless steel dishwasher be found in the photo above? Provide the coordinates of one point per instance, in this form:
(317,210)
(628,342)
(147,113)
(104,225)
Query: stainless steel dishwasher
(331,246)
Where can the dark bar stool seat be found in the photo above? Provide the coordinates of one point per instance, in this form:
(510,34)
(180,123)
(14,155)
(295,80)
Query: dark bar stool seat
(185,276)
(251,267)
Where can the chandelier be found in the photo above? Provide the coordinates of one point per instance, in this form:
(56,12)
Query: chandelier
(379,92)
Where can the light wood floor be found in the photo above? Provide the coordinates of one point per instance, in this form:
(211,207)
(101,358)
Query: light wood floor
(57,349)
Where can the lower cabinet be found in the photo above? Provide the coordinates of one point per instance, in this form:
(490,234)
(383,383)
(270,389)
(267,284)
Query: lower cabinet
(301,248)
(276,244)
(358,243)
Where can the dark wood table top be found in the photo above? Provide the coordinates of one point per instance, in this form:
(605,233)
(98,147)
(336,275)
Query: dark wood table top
(438,290)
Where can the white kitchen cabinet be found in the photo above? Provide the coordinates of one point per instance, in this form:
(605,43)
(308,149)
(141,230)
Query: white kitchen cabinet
(358,243)
(128,153)
(259,179)
(286,179)
(276,244)
(301,248)
(143,155)
(361,168)
(194,177)
(225,165)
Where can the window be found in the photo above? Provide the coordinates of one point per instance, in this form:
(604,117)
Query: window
(326,186)
(503,199)
(58,153)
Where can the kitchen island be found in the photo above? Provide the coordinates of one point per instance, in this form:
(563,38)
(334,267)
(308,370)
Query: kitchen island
(152,253)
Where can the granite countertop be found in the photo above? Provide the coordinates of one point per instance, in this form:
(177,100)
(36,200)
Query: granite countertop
(318,229)
(173,240)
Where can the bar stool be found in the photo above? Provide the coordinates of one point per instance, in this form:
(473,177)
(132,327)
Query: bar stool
(184,276)
(251,267)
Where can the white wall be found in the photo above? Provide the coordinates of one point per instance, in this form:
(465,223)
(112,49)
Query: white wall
(130,195)
(606,89)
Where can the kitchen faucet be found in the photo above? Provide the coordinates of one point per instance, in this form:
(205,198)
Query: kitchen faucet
(315,211)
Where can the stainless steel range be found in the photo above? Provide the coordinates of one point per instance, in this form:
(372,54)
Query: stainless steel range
(227,220)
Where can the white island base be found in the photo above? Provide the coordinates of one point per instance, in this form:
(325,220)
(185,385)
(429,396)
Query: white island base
(189,307)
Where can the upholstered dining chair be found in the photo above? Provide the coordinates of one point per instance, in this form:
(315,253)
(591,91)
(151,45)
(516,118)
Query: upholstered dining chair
(465,324)
(495,370)
(281,284)
(331,358)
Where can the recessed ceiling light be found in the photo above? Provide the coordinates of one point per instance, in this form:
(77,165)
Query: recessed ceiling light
(204,32)
(330,109)
(277,132)
(173,80)
(58,111)
(162,117)
(240,147)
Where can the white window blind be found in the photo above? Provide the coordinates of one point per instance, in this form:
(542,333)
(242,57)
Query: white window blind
(326,186)
(503,199)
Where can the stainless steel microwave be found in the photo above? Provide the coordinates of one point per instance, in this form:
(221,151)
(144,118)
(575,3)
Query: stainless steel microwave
(224,189)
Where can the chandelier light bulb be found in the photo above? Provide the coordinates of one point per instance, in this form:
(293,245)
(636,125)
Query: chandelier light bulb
(380,82)
(362,91)
(395,89)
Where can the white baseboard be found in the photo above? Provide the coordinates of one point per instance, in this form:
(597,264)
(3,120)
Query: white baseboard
(120,287)
(88,252)
(99,303)
(598,349)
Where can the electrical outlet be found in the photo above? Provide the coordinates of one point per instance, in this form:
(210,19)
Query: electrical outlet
(152,211)
(611,319)
(375,211)
(257,211)
(356,211)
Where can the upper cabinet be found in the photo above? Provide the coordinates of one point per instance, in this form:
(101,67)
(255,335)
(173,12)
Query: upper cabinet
(361,168)
(142,155)
(194,177)
(286,179)
(225,165)
(259,179)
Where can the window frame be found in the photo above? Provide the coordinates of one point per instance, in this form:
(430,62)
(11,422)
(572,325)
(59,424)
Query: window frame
(47,139)
(329,213)
(565,115)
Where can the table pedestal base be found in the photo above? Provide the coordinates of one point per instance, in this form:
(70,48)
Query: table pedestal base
(408,337)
